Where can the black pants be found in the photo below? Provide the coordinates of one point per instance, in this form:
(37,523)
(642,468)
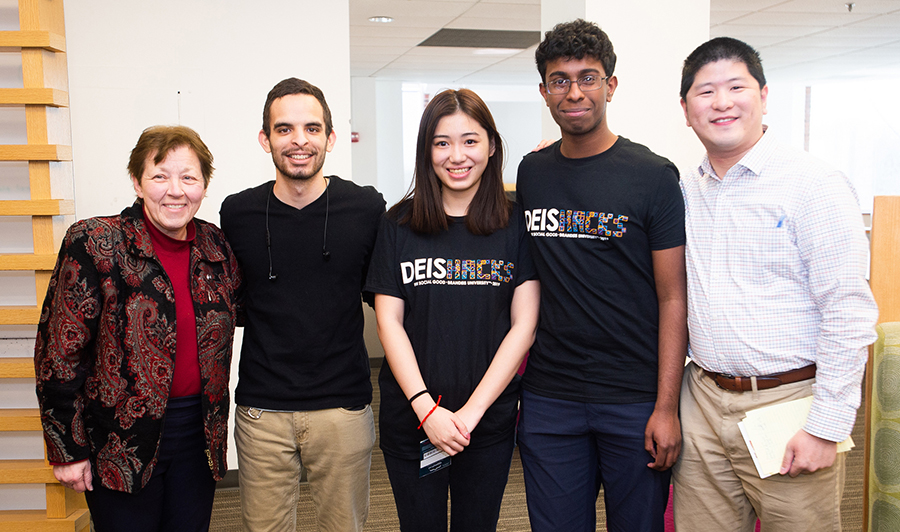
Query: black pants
(180,493)
(476,480)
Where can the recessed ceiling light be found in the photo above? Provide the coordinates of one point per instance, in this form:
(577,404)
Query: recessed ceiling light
(381,19)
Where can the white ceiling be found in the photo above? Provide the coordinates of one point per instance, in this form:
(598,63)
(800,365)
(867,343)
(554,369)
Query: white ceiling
(799,40)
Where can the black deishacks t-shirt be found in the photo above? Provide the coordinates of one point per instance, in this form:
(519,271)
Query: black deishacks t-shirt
(593,224)
(458,289)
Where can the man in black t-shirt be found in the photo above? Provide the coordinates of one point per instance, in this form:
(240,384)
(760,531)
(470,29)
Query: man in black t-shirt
(606,219)
(303,243)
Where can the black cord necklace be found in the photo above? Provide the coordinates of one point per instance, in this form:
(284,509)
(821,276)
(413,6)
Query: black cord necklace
(326,255)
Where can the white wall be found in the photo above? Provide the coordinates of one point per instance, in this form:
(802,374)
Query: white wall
(206,64)
(853,129)
(378,117)
(786,113)
(519,126)
(364,122)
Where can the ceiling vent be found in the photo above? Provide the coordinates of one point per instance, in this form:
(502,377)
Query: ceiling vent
(455,38)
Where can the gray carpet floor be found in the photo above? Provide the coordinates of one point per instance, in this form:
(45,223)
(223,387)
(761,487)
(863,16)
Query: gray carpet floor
(513,514)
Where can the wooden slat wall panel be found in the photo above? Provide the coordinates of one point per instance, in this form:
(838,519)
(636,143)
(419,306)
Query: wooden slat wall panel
(28,262)
(16,368)
(21,315)
(35,152)
(41,42)
(19,97)
(20,419)
(885,273)
(45,40)
(37,207)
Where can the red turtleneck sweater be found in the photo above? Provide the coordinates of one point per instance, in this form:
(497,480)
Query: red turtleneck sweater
(175,256)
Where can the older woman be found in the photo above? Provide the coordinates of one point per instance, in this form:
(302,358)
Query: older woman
(134,347)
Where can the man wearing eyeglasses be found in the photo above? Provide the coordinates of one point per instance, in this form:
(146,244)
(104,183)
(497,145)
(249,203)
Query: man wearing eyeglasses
(606,219)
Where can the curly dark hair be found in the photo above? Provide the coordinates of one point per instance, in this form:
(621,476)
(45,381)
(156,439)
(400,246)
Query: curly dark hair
(575,39)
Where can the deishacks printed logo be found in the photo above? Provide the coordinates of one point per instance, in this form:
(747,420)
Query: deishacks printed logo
(459,272)
(567,223)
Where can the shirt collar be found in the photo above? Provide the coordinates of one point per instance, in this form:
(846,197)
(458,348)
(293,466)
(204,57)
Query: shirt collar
(755,159)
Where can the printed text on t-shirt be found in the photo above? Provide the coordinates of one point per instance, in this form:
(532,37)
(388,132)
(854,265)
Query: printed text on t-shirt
(456,271)
(575,224)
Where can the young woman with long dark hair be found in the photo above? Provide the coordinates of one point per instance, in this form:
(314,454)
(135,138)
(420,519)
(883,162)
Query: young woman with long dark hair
(457,307)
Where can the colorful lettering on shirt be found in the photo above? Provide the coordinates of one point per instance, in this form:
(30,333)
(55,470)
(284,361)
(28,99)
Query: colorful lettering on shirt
(575,224)
(452,271)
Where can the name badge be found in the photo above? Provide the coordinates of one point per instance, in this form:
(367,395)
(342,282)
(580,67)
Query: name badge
(432,458)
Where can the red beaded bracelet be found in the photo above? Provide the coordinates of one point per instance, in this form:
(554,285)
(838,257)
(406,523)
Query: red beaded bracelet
(438,402)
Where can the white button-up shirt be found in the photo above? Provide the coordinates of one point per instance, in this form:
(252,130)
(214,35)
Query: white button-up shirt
(776,261)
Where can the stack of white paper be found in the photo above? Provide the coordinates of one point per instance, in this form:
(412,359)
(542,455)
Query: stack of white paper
(767,431)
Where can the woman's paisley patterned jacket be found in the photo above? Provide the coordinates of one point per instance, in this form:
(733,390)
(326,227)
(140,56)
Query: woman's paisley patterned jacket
(105,349)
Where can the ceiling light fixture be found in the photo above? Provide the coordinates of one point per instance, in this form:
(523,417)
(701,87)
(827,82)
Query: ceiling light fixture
(381,19)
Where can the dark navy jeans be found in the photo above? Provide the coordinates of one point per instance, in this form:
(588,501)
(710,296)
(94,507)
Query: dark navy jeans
(180,493)
(569,449)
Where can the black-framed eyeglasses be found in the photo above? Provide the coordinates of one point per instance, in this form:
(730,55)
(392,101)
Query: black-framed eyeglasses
(585,84)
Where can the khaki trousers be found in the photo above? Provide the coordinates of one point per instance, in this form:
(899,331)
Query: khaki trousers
(716,485)
(333,445)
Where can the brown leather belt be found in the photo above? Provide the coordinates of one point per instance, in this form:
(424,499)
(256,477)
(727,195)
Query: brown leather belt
(743,384)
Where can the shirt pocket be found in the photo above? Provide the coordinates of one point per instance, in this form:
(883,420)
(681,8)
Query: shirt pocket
(763,251)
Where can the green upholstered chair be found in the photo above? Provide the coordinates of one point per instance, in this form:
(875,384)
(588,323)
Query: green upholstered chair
(884,466)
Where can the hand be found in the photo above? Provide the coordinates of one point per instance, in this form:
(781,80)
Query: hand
(543,144)
(76,476)
(662,439)
(446,431)
(469,417)
(806,453)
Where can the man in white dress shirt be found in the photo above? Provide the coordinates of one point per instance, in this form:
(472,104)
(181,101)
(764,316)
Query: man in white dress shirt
(778,307)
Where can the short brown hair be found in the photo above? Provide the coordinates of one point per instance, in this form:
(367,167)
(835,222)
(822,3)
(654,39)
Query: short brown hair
(158,141)
(289,86)
(490,208)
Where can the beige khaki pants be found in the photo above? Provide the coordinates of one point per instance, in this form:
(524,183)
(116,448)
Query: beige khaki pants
(333,445)
(716,485)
